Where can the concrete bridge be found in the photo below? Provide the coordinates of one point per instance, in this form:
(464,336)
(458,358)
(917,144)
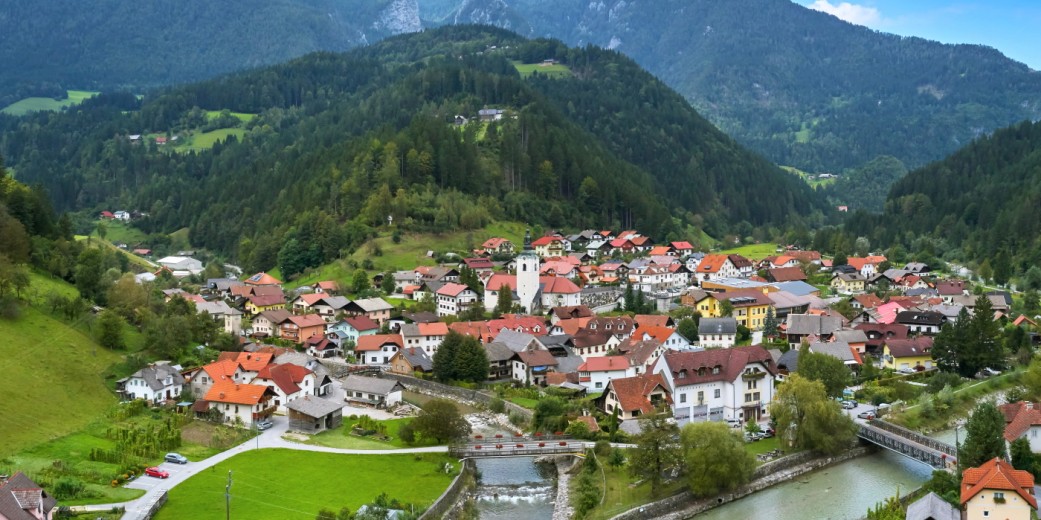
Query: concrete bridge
(908,443)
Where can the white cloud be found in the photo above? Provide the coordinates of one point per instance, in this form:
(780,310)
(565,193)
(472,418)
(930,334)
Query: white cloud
(852,13)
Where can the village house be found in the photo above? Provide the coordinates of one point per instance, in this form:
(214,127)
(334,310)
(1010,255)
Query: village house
(497,246)
(372,391)
(713,267)
(550,246)
(500,361)
(641,353)
(750,306)
(667,336)
(866,266)
(182,265)
(258,304)
(298,328)
(1023,421)
(921,322)
(879,333)
(375,309)
(808,327)
(377,349)
(304,304)
(263,279)
(322,347)
(549,292)
(848,283)
(158,382)
(997,490)
(908,354)
(719,384)
(424,336)
(251,363)
(287,381)
(597,372)
(23,499)
(454,299)
(330,306)
(238,403)
(531,366)
(326,287)
(717,332)
(632,397)
(786,274)
(347,331)
(229,318)
(410,360)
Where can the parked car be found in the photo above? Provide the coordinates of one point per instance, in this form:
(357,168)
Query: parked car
(264,424)
(734,423)
(869,415)
(176,458)
(849,405)
(156,472)
(752,437)
(768,432)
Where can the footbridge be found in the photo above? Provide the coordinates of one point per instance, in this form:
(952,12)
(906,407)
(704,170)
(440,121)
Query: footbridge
(908,443)
(517,446)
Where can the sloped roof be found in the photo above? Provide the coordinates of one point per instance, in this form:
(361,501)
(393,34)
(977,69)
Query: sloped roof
(575,311)
(335,302)
(452,289)
(658,333)
(254,361)
(263,279)
(19,495)
(310,298)
(155,375)
(516,341)
(276,316)
(806,324)
(604,364)
(497,352)
(536,358)
(312,406)
(914,347)
(633,393)
(221,369)
(712,263)
(868,300)
(373,304)
(931,506)
(267,300)
(362,323)
(418,358)
(717,326)
(307,320)
(375,342)
(836,349)
(786,274)
(225,391)
(287,377)
(997,474)
(651,320)
(731,363)
(1019,416)
(851,336)
(372,385)
(921,318)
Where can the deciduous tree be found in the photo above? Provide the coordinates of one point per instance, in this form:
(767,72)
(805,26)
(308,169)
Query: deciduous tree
(807,419)
(829,370)
(716,458)
(441,421)
(656,449)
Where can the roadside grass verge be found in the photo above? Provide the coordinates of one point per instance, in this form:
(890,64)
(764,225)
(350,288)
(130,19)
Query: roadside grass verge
(279,483)
(342,437)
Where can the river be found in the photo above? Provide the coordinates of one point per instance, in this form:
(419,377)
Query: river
(515,489)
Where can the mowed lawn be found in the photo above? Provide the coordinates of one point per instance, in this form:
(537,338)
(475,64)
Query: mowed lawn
(38,104)
(206,140)
(555,70)
(51,384)
(282,484)
(753,251)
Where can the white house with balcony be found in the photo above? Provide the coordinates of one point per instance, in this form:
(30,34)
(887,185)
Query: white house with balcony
(719,384)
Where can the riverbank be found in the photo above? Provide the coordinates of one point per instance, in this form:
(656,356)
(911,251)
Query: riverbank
(686,505)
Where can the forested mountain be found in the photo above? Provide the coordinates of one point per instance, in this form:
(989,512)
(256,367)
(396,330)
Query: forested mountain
(341,141)
(983,199)
(802,87)
(866,187)
(52,45)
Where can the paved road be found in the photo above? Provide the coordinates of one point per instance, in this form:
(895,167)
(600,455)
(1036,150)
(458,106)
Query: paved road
(272,438)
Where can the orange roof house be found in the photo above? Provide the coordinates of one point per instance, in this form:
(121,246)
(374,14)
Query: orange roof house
(262,279)
(997,490)
(375,342)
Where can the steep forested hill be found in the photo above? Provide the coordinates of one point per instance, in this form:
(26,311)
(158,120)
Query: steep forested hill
(802,87)
(983,199)
(56,44)
(340,141)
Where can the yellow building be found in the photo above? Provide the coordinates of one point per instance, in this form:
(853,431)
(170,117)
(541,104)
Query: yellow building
(908,354)
(848,283)
(259,304)
(750,307)
(996,490)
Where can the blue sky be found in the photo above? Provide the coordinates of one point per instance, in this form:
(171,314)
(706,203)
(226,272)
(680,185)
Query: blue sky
(1011,26)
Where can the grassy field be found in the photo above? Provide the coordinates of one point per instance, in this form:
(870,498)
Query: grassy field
(524,401)
(556,70)
(422,399)
(38,104)
(206,140)
(407,254)
(143,264)
(117,231)
(280,484)
(341,438)
(814,182)
(51,385)
(753,251)
(624,493)
(242,116)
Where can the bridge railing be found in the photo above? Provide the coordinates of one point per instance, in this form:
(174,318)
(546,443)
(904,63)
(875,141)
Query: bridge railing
(514,449)
(914,436)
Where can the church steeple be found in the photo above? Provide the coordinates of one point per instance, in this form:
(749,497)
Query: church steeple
(527,239)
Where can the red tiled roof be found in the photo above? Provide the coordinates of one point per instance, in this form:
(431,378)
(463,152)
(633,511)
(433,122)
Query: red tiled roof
(253,361)
(682,246)
(478,263)
(262,279)
(311,298)
(493,243)
(651,320)
(452,289)
(1000,475)
(527,324)
(786,274)
(235,393)
(632,392)
(620,242)
(545,241)
(287,376)
(589,421)
(267,300)
(362,323)
(328,285)
(307,320)
(436,328)
(1019,417)
(731,361)
(474,329)
(659,250)
(712,263)
(604,364)
(376,341)
(859,263)
(223,368)
(919,346)
(658,333)
(537,358)
(868,301)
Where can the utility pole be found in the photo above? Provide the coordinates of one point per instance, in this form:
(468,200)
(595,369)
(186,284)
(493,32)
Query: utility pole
(227,498)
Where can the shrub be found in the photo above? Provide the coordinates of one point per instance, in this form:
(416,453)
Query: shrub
(497,405)
(602,448)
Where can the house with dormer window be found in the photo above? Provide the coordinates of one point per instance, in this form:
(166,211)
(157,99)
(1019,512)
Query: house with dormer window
(719,384)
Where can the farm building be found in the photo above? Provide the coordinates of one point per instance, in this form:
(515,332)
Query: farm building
(310,414)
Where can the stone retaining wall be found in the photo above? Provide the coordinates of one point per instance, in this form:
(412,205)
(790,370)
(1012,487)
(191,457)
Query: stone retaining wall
(448,500)
(453,392)
(685,505)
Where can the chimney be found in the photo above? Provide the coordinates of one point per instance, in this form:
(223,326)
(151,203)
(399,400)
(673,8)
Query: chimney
(236,386)
(222,395)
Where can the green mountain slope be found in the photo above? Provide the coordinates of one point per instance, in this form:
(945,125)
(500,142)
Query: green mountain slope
(343,141)
(802,87)
(982,199)
(111,43)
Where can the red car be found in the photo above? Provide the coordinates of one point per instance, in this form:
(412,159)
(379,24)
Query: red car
(156,472)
